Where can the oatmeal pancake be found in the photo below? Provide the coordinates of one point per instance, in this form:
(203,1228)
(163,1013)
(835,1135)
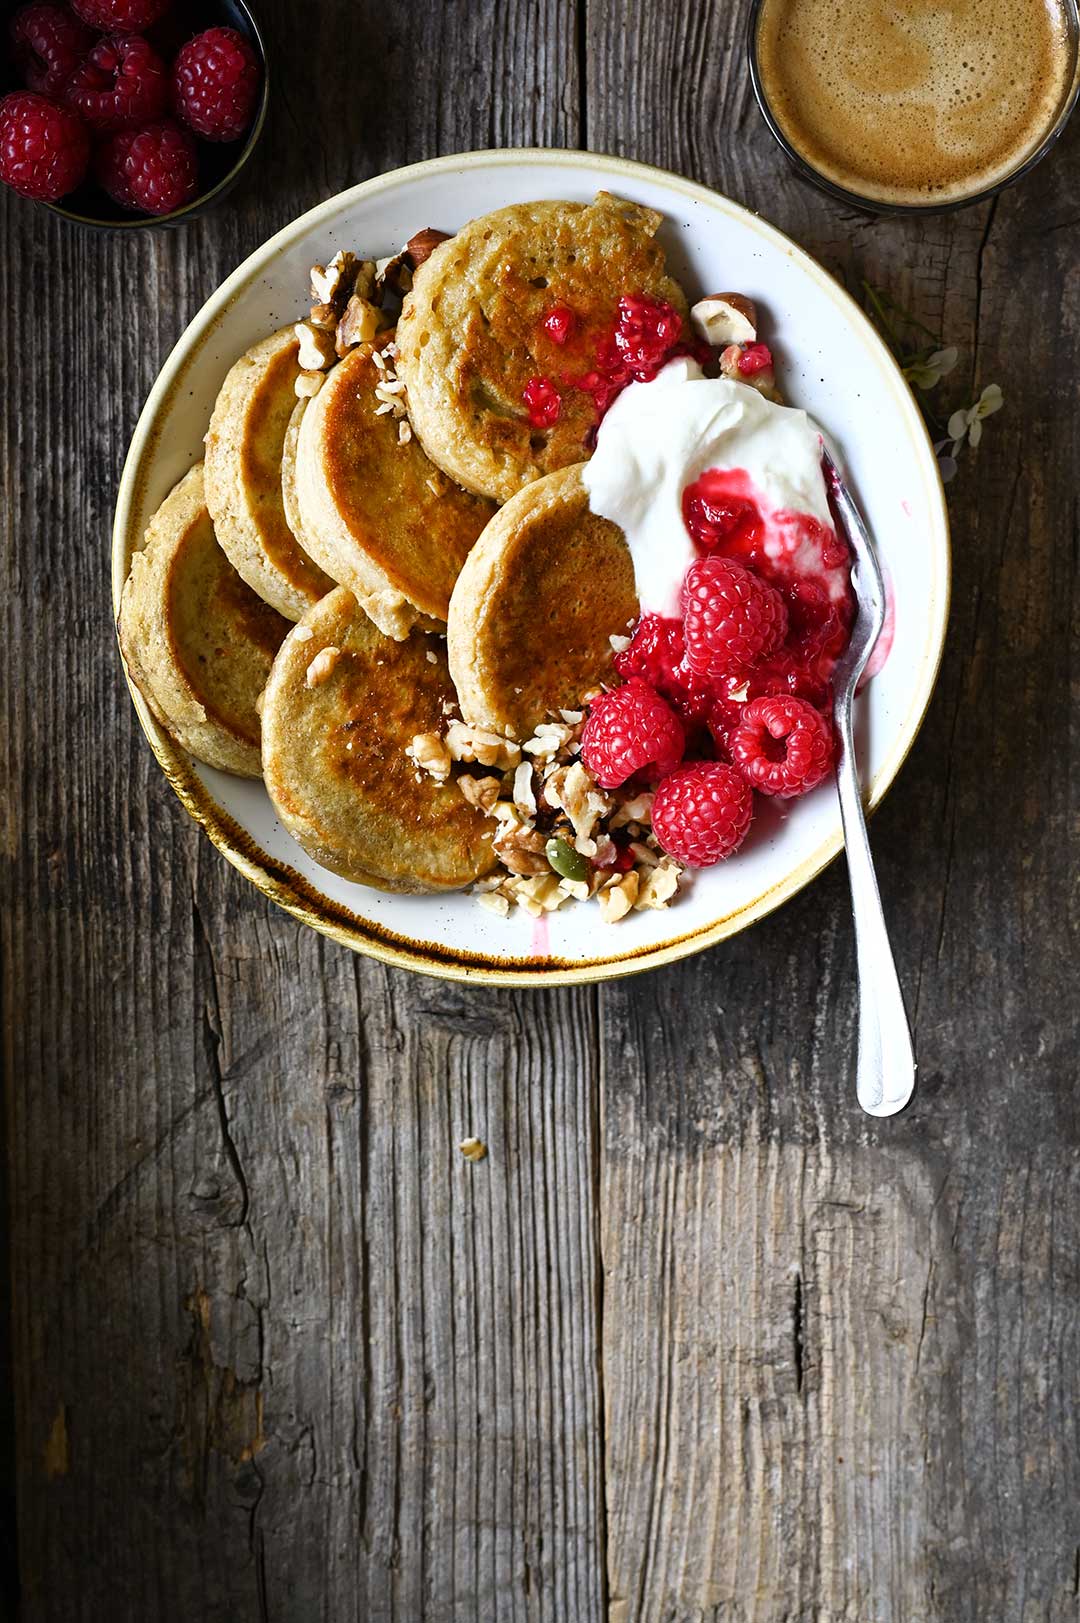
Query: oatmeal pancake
(198,643)
(342,705)
(541,594)
(243,476)
(376,513)
(472,333)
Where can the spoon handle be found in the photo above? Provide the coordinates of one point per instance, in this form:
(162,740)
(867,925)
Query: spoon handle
(885,1063)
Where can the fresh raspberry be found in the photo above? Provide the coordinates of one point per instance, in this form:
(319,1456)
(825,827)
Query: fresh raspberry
(44,148)
(629,729)
(657,653)
(154,170)
(731,617)
(48,44)
(754,358)
(122,83)
(782,746)
(215,84)
(701,813)
(123,16)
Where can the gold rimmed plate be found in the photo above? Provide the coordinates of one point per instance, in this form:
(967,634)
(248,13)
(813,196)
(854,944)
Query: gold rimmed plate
(830,361)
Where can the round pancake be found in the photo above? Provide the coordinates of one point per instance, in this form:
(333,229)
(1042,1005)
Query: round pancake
(334,755)
(376,514)
(532,616)
(471,332)
(243,477)
(197,642)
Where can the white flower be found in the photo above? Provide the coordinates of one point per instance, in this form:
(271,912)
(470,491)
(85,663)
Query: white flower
(967,425)
(927,374)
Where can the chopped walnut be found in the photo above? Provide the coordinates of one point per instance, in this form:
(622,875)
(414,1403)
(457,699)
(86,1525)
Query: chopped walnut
(329,281)
(358,325)
(521,850)
(495,903)
(316,348)
(473,1149)
(638,810)
(467,743)
(657,887)
(307,384)
(617,896)
(481,792)
(430,754)
(524,798)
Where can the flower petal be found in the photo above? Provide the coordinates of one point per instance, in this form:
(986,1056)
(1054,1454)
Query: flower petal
(958,425)
(975,434)
(990,400)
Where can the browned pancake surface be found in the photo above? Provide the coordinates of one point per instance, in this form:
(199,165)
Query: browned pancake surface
(472,335)
(399,511)
(196,639)
(334,755)
(531,619)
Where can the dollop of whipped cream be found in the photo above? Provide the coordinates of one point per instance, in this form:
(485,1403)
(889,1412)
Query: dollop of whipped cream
(658,437)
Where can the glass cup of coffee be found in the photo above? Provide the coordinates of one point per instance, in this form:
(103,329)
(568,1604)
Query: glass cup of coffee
(904,105)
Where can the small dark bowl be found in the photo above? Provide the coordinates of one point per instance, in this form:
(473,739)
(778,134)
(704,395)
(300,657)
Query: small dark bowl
(220,164)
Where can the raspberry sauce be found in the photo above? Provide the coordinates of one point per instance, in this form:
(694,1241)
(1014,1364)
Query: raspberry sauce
(805,561)
(543,402)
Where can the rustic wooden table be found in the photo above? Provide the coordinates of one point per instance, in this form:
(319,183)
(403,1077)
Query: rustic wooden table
(697,1342)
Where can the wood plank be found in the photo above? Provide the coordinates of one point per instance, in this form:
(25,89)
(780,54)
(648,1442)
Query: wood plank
(840,1358)
(280,1352)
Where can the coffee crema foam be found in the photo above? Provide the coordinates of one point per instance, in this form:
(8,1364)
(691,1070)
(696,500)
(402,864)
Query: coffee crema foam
(914,101)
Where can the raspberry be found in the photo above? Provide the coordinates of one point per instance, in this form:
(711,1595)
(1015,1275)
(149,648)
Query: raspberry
(701,813)
(782,746)
(127,16)
(48,44)
(542,401)
(215,84)
(731,618)
(629,729)
(559,323)
(155,169)
(44,148)
(754,358)
(123,82)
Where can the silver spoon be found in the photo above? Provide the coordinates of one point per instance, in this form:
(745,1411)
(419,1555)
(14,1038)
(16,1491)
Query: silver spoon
(885,1063)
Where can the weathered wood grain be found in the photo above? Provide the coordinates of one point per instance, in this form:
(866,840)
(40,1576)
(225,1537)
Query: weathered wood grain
(281,1352)
(696,1343)
(840,1360)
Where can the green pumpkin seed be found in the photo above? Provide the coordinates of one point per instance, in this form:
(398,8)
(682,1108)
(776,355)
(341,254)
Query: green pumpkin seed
(567,862)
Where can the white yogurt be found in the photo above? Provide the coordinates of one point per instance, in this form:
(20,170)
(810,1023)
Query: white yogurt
(660,436)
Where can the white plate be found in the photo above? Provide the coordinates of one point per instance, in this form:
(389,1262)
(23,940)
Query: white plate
(830,361)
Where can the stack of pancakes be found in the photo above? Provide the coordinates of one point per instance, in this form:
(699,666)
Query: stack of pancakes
(453,564)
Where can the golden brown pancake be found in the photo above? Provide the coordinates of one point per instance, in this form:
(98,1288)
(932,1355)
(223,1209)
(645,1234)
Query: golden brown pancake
(471,333)
(197,642)
(380,518)
(243,477)
(541,594)
(334,754)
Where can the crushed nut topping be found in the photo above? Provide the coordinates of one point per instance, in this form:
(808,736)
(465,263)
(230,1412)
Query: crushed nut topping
(316,347)
(322,666)
(473,1149)
(557,835)
(430,754)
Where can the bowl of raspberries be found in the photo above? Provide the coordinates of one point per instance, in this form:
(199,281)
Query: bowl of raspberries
(129,112)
